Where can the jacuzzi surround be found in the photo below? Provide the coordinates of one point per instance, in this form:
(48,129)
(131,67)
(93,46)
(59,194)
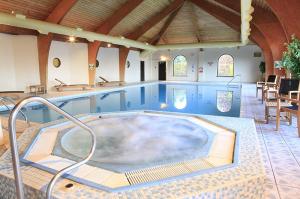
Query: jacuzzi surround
(220,154)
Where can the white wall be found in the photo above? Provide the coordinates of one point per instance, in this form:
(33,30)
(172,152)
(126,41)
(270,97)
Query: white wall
(108,64)
(132,74)
(26,61)
(192,63)
(148,68)
(74,63)
(19,62)
(244,63)
(7,64)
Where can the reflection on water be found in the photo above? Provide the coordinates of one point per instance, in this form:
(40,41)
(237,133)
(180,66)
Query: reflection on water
(180,98)
(171,97)
(224,100)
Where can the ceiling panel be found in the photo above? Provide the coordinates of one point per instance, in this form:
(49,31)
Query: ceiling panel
(89,14)
(139,16)
(36,9)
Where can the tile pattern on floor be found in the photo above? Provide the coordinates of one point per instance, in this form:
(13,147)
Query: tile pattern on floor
(280,149)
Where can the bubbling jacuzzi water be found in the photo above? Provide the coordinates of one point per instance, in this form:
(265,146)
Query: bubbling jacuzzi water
(134,142)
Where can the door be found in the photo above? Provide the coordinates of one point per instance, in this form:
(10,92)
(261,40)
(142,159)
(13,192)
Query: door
(142,71)
(162,75)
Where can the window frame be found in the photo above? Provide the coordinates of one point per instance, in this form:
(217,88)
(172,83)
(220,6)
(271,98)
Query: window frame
(219,64)
(186,71)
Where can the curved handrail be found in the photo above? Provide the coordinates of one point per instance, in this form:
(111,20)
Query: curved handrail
(14,146)
(233,79)
(4,99)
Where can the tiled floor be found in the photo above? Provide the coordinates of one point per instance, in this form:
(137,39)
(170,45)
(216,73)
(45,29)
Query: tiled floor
(281,150)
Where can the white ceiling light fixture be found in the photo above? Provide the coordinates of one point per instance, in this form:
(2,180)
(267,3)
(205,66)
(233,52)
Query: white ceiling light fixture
(109,45)
(72,39)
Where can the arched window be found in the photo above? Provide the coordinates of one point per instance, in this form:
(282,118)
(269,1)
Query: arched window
(225,66)
(180,66)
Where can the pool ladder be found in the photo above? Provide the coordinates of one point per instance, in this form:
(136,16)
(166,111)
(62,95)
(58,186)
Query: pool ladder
(239,76)
(14,146)
(4,100)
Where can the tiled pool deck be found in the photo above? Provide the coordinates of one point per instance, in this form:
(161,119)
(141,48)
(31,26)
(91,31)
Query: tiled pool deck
(280,150)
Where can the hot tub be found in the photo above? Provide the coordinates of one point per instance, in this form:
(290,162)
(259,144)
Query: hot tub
(134,148)
(191,157)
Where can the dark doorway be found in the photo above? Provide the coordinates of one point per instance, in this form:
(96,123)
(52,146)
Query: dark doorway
(162,71)
(142,71)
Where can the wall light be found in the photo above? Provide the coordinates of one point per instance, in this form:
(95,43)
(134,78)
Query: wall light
(109,45)
(163,58)
(72,39)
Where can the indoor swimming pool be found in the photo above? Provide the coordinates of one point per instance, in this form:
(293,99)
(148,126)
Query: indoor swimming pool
(196,98)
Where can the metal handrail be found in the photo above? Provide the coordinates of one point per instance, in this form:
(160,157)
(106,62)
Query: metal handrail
(5,99)
(14,146)
(233,79)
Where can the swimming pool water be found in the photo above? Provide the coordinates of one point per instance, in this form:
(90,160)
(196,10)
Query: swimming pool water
(172,97)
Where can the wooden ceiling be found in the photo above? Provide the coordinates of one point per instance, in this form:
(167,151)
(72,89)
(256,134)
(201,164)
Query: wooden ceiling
(189,24)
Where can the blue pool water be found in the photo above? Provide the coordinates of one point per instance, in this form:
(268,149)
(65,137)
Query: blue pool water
(172,97)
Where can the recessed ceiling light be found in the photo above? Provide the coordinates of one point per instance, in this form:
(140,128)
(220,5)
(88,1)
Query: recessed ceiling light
(71,39)
(13,12)
(122,37)
(147,43)
(108,45)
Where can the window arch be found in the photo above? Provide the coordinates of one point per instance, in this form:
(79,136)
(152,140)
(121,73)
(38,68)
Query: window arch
(180,66)
(225,66)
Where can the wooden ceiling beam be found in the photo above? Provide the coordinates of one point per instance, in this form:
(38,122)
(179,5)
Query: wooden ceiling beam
(139,31)
(117,16)
(44,41)
(105,28)
(233,20)
(156,18)
(157,37)
(60,10)
(220,13)
(288,14)
(268,24)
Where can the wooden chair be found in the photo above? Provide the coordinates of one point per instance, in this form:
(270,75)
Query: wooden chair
(285,86)
(271,80)
(292,99)
(270,88)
